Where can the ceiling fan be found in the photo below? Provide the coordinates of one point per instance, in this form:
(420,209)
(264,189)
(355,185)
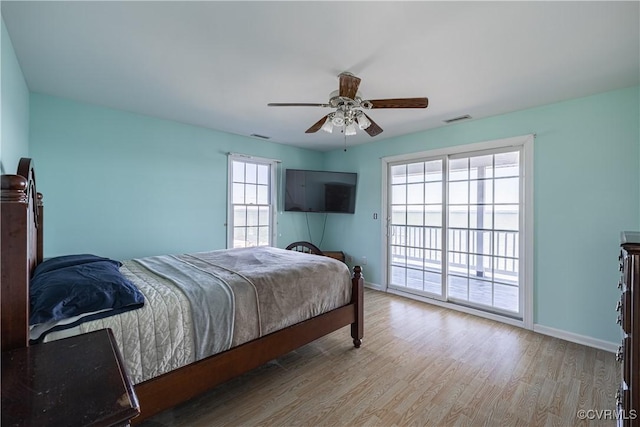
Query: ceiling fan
(348,105)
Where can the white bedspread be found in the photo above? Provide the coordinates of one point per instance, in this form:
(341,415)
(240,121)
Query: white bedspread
(290,287)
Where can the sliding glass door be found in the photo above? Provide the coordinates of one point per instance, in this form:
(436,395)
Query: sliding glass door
(455,225)
(416,224)
(483,231)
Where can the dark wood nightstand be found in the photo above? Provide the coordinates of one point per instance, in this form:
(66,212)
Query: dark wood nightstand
(339,255)
(76,381)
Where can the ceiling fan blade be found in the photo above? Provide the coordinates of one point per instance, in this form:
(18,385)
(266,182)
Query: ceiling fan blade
(400,103)
(349,85)
(317,125)
(295,104)
(373,128)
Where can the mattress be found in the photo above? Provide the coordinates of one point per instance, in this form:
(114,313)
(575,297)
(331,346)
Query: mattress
(199,304)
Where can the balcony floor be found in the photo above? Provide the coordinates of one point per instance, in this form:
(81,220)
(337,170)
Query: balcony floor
(489,294)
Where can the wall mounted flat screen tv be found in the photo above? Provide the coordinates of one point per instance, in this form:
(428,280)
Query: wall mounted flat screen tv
(320,191)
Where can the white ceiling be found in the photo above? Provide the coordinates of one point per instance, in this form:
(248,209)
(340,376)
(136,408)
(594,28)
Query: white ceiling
(218,64)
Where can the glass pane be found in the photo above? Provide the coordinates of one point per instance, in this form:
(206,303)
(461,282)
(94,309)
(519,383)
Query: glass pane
(459,192)
(480,242)
(398,194)
(415,257)
(398,276)
(238,171)
(398,235)
(507,190)
(415,172)
(399,174)
(507,164)
(414,279)
(433,282)
(506,297)
(458,169)
(263,174)
(263,195)
(238,194)
(252,215)
(399,255)
(239,216)
(506,217)
(480,292)
(481,167)
(433,259)
(252,236)
(399,215)
(458,263)
(415,215)
(415,194)
(239,237)
(458,240)
(479,266)
(414,239)
(458,287)
(263,218)
(433,238)
(505,270)
(433,192)
(481,191)
(459,216)
(433,170)
(263,236)
(506,243)
(252,173)
(433,216)
(481,216)
(251,192)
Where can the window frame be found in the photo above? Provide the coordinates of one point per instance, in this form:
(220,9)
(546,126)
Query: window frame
(273,194)
(526,243)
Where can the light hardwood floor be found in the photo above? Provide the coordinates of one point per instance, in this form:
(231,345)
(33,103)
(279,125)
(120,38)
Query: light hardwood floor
(419,365)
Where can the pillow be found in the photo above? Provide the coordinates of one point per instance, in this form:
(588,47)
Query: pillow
(73,290)
(69,260)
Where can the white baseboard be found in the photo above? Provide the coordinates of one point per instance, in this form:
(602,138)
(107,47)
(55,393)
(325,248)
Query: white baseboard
(373,286)
(577,338)
(541,329)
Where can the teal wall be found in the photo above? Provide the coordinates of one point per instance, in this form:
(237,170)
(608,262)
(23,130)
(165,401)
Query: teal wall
(125,185)
(14,119)
(586,190)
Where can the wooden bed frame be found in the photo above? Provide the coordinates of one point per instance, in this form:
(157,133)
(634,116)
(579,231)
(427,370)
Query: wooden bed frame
(22,231)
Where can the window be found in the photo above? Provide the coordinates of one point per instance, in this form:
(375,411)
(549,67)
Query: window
(460,226)
(252,201)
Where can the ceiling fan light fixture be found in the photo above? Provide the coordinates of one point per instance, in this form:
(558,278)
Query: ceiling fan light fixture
(350,129)
(338,118)
(363,121)
(328,125)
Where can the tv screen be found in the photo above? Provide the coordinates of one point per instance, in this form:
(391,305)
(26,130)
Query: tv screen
(320,191)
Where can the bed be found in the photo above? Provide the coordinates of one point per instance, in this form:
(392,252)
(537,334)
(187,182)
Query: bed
(158,389)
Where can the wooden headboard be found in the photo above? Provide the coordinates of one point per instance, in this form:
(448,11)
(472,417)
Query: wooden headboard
(21,219)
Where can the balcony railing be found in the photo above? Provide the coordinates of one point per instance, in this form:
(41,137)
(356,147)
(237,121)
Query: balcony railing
(480,253)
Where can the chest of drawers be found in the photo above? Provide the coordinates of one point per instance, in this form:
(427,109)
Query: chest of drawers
(628,312)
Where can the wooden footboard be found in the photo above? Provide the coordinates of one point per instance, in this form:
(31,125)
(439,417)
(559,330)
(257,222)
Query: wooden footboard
(22,232)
